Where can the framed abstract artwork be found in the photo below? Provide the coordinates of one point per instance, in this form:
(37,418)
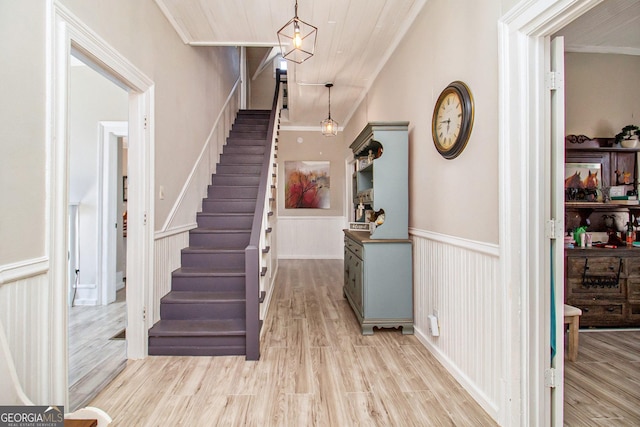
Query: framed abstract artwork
(307,185)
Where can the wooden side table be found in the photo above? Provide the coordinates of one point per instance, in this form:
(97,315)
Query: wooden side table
(80,423)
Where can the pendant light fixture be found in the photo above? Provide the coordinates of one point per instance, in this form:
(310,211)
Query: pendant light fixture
(329,126)
(297,39)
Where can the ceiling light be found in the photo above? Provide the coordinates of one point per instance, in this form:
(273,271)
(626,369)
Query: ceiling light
(297,39)
(329,126)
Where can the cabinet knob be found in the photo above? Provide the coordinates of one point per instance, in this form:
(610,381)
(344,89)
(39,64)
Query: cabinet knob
(610,309)
(586,310)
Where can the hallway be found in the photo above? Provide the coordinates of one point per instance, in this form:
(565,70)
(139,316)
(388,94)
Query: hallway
(315,369)
(95,357)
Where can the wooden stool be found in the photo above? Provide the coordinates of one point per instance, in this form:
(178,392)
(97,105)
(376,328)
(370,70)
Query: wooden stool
(572,318)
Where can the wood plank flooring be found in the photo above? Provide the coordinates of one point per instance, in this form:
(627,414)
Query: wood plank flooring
(316,369)
(602,388)
(94,358)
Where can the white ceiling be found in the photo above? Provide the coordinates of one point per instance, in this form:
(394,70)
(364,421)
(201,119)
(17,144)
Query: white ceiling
(355,38)
(611,27)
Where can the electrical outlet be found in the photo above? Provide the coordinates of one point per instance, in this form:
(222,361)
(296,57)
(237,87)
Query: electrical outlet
(433,326)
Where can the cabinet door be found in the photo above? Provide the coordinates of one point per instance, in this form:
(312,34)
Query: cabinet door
(353,279)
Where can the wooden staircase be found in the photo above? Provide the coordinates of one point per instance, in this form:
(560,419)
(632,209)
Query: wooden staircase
(204,313)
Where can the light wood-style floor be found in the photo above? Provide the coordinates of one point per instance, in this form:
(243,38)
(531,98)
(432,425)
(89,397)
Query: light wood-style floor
(602,388)
(94,358)
(316,369)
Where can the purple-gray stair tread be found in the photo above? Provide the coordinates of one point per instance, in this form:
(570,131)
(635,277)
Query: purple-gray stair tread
(195,271)
(220,230)
(223,214)
(199,249)
(181,297)
(199,327)
(231,199)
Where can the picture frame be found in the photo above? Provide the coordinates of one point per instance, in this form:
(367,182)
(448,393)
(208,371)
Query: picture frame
(583,182)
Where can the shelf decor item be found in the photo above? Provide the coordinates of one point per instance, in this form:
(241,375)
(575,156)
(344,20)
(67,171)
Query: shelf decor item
(628,137)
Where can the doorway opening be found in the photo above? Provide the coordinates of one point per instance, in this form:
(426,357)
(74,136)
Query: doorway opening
(98,131)
(74,37)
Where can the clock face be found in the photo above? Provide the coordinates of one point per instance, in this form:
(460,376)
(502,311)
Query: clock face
(452,120)
(449,120)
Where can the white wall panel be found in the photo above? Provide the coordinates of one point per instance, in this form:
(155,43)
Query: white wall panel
(167,258)
(458,279)
(24,313)
(310,237)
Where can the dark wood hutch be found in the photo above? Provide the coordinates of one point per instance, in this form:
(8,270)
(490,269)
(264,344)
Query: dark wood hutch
(604,282)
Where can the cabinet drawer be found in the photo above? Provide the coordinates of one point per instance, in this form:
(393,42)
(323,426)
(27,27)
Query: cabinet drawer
(605,314)
(576,289)
(632,266)
(633,285)
(354,247)
(595,266)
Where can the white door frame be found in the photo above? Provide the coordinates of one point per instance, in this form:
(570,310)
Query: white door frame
(524,165)
(107,208)
(70,33)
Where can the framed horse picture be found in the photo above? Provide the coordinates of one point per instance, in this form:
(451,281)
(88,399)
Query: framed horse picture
(583,182)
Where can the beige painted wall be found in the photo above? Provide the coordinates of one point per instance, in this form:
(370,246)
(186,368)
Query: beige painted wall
(602,93)
(261,85)
(313,147)
(22,131)
(191,84)
(450,40)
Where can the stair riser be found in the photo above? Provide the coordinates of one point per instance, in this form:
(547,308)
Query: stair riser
(250,127)
(219,240)
(244,142)
(250,170)
(244,149)
(216,205)
(212,260)
(210,311)
(157,349)
(232,192)
(225,222)
(247,135)
(208,283)
(235,180)
(241,159)
(252,120)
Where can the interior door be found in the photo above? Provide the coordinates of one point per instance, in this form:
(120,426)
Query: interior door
(557,99)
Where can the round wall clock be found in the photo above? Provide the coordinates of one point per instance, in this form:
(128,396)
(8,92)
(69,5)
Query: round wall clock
(452,120)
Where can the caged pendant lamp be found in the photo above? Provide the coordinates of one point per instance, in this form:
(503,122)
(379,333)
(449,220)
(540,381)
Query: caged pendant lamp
(297,39)
(329,126)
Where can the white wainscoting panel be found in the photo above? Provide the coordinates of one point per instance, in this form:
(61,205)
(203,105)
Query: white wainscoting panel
(459,280)
(307,237)
(167,259)
(24,313)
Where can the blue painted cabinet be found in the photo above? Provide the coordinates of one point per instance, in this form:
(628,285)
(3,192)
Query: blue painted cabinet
(378,263)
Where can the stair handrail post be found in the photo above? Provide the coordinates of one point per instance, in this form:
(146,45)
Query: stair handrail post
(253,251)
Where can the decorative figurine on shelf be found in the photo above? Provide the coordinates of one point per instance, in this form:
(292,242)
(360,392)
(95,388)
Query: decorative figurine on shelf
(371,157)
(628,137)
